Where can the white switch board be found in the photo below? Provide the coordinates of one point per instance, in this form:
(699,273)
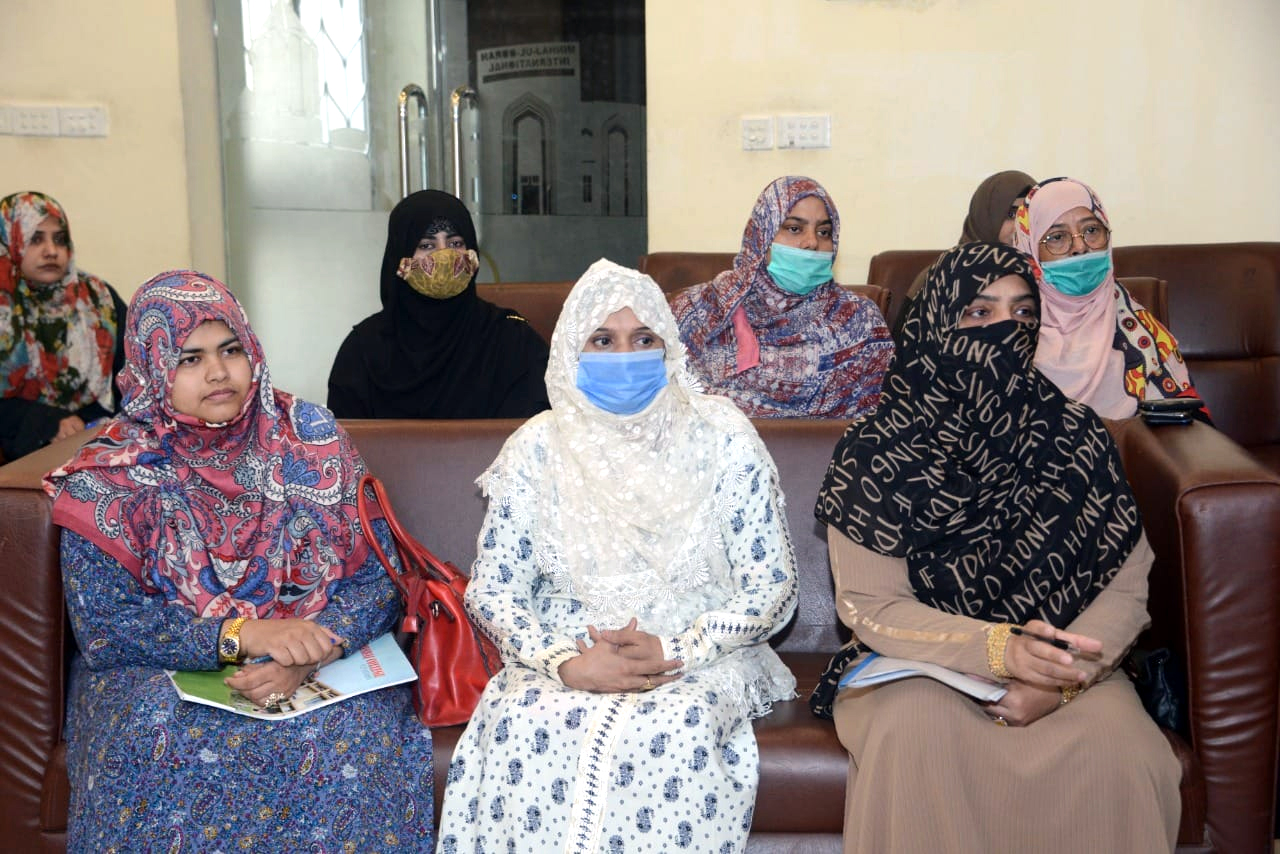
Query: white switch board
(804,131)
(757,133)
(82,121)
(53,120)
(33,120)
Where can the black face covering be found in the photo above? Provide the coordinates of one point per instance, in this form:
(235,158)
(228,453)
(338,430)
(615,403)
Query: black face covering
(1007,500)
(420,357)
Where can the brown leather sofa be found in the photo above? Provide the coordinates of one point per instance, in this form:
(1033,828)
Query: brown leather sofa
(1212,513)
(1220,300)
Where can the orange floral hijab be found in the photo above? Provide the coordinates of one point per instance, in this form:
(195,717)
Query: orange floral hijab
(1104,348)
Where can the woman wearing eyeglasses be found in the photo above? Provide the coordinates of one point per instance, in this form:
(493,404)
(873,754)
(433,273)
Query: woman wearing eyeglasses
(1097,343)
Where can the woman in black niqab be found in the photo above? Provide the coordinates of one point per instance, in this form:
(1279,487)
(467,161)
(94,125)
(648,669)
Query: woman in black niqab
(436,350)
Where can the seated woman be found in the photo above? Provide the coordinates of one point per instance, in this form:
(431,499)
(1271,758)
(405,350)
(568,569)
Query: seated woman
(776,334)
(436,350)
(992,211)
(634,561)
(214,520)
(60,342)
(1097,343)
(978,501)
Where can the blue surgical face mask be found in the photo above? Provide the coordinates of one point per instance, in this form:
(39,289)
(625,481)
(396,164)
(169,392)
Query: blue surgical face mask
(622,383)
(799,271)
(1078,275)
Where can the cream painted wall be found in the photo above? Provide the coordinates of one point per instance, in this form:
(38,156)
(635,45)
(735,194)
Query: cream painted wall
(1169,108)
(126,194)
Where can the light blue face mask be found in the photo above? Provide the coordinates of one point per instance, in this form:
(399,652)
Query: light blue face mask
(1078,275)
(622,383)
(799,271)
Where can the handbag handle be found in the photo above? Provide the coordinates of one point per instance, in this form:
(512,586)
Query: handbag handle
(415,558)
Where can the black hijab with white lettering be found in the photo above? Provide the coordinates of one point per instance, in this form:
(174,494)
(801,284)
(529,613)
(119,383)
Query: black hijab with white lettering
(1007,499)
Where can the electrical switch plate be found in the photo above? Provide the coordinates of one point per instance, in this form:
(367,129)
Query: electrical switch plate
(32,120)
(757,133)
(82,121)
(804,131)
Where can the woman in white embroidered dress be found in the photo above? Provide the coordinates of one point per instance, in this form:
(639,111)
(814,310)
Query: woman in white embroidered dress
(634,561)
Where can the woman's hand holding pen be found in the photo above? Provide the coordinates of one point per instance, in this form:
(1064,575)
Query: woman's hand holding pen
(1035,656)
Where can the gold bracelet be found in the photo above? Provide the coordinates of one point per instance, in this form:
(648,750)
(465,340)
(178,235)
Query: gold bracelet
(1069,693)
(997,640)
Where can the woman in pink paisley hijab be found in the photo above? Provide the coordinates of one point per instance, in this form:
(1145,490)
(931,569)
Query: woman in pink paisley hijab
(1097,343)
(776,334)
(214,523)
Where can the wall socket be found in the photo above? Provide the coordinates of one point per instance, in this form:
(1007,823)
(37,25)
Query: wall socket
(33,120)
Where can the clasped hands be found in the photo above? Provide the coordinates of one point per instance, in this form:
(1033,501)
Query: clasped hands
(619,660)
(1040,672)
(297,647)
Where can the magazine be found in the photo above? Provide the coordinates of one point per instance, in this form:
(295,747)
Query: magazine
(378,664)
(876,668)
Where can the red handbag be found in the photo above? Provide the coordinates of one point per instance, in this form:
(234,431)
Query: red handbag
(453,659)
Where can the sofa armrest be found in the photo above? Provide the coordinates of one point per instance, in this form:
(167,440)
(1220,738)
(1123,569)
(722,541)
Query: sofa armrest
(1212,514)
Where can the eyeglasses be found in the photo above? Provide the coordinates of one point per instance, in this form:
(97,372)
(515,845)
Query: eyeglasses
(1059,241)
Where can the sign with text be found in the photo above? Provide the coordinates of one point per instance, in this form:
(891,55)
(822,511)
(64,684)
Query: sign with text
(547,59)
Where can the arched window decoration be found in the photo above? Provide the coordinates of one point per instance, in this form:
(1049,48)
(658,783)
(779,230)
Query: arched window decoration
(616,170)
(528,148)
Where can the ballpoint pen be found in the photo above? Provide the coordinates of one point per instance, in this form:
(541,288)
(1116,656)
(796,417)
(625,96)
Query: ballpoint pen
(1058,642)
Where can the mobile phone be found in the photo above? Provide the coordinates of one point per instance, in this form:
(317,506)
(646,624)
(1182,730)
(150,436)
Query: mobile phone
(1170,405)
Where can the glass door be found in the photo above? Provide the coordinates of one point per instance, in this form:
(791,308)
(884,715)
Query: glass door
(532,113)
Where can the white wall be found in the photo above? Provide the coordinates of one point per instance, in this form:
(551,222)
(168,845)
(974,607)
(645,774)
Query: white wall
(126,194)
(1169,108)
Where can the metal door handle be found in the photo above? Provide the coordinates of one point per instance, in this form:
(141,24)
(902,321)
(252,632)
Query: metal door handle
(415,92)
(460,94)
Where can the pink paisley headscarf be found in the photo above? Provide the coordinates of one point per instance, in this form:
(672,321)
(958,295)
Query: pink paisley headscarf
(255,517)
(1103,349)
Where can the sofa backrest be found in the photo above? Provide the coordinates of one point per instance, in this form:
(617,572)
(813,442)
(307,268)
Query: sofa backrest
(675,271)
(896,270)
(1224,309)
(537,302)
(430,467)
(540,302)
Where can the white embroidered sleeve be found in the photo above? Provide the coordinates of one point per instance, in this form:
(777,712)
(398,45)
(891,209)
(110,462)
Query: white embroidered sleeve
(501,595)
(762,564)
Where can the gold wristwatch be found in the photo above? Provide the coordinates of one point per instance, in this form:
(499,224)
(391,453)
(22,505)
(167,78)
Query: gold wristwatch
(229,641)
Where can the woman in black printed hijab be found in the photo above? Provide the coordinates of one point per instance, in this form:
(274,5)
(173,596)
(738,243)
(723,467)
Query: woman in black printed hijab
(978,500)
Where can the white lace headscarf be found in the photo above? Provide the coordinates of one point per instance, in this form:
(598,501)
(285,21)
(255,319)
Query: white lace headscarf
(629,506)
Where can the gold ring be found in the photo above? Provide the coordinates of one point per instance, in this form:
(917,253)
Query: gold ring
(999,721)
(648,683)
